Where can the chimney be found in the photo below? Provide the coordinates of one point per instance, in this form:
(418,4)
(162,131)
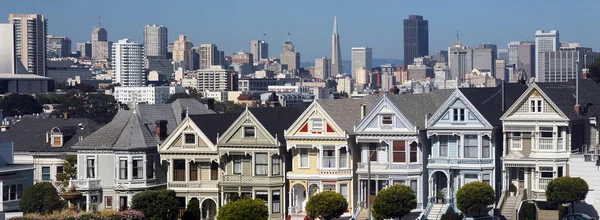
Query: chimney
(65,116)
(363,110)
(161,129)
(211,104)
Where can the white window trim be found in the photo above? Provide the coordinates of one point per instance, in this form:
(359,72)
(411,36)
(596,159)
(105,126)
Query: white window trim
(300,158)
(537,101)
(391,118)
(143,167)
(311,124)
(244,131)
(335,155)
(233,164)
(520,141)
(195,138)
(464,113)
(95,166)
(440,146)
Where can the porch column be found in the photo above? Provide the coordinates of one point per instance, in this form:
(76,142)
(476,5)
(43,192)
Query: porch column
(222,197)
(170,169)
(448,181)
(527,172)
(187,172)
(290,200)
(87,202)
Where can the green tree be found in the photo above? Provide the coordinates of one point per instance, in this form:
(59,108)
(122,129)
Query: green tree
(157,204)
(229,107)
(41,198)
(243,209)
(20,104)
(594,69)
(528,211)
(474,197)
(98,107)
(69,171)
(567,189)
(193,210)
(394,202)
(176,96)
(326,205)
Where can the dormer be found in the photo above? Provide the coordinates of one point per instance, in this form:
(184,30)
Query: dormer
(56,137)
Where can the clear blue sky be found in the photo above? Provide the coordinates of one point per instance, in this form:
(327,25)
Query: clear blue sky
(231,24)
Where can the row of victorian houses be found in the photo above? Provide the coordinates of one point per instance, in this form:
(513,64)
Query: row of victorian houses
(524,135)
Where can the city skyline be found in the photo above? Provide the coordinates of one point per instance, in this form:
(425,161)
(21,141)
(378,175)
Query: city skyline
(311,34)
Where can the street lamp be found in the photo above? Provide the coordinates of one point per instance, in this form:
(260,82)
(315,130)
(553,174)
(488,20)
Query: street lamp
(380,147)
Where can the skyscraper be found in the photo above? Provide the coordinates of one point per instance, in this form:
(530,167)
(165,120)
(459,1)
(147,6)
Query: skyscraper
(289,56)
(362,57)
(545,42)
(525,60)
(259,50)
(209,56)
(155,41)
(9,63)
(336,54)
(30,41)
(101,47)
(182,52)
(58,46)
(99,33)
(128,63)
(322,68)
(513,47)
(416,38)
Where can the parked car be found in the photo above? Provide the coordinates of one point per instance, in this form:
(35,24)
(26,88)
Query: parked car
(578,216)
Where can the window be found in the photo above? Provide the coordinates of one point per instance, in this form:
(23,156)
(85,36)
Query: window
(386,120)
(303,157)
(399,152)
(546,172)
(193,171)
(486,178)
(90,167)
(59,169)
(12,192)
(443,150)
(317,124)
(214,171)
(237,164)
(264,195)
(190,138)
(276,197)
(516,140)
(372,152)
(485,147)
(328,187)
(178,170)
(123,168)
(261,164)
(535,105)
(123,202)
(470,146)
(138,168)
(413,186)
(344,190)
(414,152)
(459,114)
(56,141)
(46,173)
(328,157)
(276,163)
(248,131)
(343,158)
(559,172)
(108,202)
(471,178)
(149,167)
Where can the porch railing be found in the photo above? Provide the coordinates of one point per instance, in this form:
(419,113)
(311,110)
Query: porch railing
(544,183)
(460,161)
(545,144)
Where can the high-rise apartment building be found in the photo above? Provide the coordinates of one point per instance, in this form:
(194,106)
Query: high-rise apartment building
(9,62)
(182,52)
(30,41)
(209,56)
(155,41)
(416,38)
(216,79)
(289,56)
(85,49)
(58,46)
(322,66)
(128,65)
(545,42)
(361,57)
(336,54)
(259,50)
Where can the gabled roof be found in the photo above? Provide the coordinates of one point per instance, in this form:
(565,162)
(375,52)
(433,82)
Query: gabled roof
(488,101)
(563,96)
(346,112)
(276,119)
(416,107)
(214,125)
(29,134)
(173,113)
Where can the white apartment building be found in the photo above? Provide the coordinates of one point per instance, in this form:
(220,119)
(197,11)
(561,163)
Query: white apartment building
(216,78)
(545,42)
(146,94)
(155,40)
(345,84)
(322,68)
(128,63)
(30,41)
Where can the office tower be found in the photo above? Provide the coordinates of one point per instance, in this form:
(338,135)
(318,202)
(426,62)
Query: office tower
(501,71)
(460,60)
(545,42)
(259,49)
(209,56)
(128,63)
(484,58)
(101,47)
(588,55)
(99,33)
(242,62)
(441,56)
(322,66)
(416,38)
(361,57)
(30,41)
(58,46)
(289,56)
(512,52)
(502,55)
(155,41)
(558,66)
(170,50)
(336,54)
(85,49)
(182,52)
(526,60)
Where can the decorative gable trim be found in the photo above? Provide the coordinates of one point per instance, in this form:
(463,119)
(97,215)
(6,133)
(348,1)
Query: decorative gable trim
(533,87)
(442,111)
(186,126)
(383,106)
(245,118)
(302,124)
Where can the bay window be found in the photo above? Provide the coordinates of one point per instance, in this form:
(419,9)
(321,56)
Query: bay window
(261,163)
(328,157)
(470,146)
(90,167)
(123,168)
(149,167)
(443,146)
(237,164)
(485,147)
(138,168)
(343,157)
(303,157)
(193,171)
(178,170)
(414,152)
(344,190)
(399,152)
(264,195)
(276,204)
(276,165)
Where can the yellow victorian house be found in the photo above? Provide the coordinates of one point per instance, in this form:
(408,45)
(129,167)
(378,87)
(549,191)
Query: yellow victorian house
(320,143)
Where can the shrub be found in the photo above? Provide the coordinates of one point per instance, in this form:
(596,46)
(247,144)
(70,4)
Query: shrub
(512,188)
(563,210)
(567,189)
(157,204)
(528,211)
(187,215)
(246,208)
(87,216)
(474,197)
(394,202)
(326,205)
(193,208)
(131,215)
(452,215)
(41,198)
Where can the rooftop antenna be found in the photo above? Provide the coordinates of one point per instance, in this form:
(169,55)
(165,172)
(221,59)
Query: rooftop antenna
(457,38)
(99,20)
(288,39)
(264,35)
